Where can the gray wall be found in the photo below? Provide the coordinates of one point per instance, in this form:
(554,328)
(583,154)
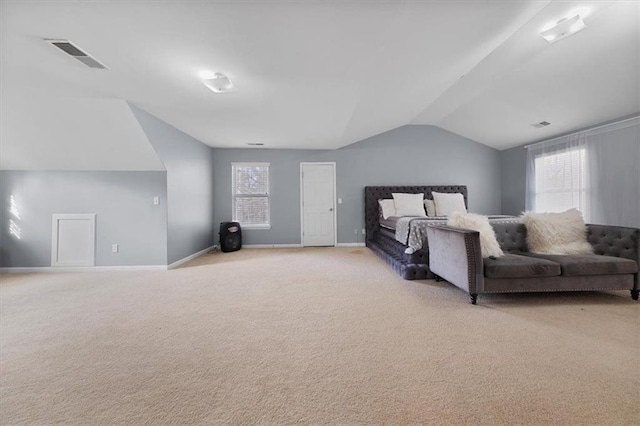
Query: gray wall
(513,179)
(409,155)
(122,201)
(190,179)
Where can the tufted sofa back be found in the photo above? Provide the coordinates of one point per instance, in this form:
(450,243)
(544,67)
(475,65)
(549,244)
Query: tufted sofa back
(512,237)
(606,240)
(617,241)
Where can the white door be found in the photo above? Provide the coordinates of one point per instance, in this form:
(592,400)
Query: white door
(318,204)
(73,240)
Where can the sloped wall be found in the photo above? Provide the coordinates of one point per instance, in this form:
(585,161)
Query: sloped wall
(189,166)
(62,133)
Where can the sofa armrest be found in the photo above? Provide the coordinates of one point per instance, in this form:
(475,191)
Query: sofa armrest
(616,241)
(454,254)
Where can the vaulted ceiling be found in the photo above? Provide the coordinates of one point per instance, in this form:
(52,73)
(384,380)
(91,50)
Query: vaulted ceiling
(324,74)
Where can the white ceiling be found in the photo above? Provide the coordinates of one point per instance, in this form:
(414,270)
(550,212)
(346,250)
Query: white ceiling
(324,74)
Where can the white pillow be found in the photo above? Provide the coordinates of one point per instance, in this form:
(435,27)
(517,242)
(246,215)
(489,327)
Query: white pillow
(409,204)
(387,208)
(557,233)
(430,205)
(488,242)
(448,203)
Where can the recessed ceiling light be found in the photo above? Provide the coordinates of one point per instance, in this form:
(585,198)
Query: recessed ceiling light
(564,28)
(217,82)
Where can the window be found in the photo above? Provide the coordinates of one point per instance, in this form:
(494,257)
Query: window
(560,180)
(251,194)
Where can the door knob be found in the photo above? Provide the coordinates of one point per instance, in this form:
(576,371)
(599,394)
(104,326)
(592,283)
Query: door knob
(331,209)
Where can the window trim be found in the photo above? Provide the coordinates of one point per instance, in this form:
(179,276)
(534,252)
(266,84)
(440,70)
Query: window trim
(233,194)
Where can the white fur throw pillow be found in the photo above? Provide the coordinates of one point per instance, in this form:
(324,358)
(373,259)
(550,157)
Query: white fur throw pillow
(448,203)
(409,204)
(557,233)
(387,208)
(488,242)
(430,205)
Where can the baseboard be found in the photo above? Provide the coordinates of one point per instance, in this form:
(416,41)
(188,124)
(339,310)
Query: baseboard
(297,245)
(47,269)
(271,245)
(188,258)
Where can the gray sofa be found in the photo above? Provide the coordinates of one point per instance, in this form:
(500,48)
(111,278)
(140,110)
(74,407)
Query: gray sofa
(454,255)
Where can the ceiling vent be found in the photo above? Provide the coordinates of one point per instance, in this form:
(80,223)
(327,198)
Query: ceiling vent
(540,124)
(75,52)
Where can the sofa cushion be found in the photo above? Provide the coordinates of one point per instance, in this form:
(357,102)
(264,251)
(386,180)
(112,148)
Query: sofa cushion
(516,266)
(589,264)
(557,233)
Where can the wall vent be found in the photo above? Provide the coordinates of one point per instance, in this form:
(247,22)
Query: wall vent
(540,124)
(75,52)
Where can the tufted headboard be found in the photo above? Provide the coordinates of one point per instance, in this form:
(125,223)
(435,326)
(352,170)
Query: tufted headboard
(373,193)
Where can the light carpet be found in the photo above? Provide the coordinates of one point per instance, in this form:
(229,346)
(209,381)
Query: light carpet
(313,335)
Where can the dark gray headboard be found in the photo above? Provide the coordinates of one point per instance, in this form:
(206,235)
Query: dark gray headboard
(373,193)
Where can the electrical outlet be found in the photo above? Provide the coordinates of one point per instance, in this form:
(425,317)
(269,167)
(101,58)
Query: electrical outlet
(114,248)
(339,200)
(362,231)
(156,201)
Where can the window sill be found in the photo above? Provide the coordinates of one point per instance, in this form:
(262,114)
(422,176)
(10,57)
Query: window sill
(255,226)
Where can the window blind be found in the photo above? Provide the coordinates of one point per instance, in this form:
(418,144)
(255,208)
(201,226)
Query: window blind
(560,181)
(251,194)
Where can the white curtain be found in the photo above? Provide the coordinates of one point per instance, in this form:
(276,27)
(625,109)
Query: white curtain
(596,171)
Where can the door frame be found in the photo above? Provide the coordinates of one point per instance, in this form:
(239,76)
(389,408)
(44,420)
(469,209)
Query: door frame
(335,209)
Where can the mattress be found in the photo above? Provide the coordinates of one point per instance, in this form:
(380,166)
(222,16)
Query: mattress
(392,221)
(389,223)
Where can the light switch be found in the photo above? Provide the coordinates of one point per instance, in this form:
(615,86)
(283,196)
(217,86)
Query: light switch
(114,248)
(339,200)
(156,201)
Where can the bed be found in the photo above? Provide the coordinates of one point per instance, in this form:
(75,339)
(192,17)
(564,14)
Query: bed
(401,242)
